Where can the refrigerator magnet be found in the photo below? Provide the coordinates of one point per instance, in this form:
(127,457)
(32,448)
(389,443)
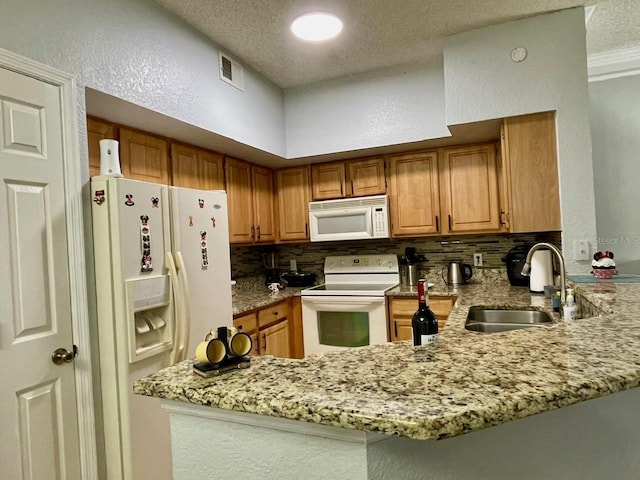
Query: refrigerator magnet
(99,197)
(144,219)
(213,222)
(129,200)
(146,265)
(203,249)
(201,202)
(154,202)
(191,220)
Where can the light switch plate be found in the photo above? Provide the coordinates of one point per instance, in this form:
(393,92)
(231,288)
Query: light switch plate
(293,265)
(581,250)
(477,259)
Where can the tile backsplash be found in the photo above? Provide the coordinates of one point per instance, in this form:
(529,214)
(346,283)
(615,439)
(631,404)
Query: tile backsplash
(248,261)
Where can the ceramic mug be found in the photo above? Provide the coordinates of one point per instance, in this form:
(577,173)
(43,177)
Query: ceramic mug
(274,287)
(211,351)
(237,343)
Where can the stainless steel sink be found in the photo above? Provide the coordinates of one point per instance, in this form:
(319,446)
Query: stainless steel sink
(498,319)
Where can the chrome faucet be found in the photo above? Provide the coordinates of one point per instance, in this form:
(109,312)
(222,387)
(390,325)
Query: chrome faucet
(563,274)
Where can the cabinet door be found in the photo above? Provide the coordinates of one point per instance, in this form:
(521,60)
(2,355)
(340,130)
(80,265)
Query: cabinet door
(327,180)
(531,166)
(211,164)
(401,329)
(263,205)
(143,157)
(96,131)
(366,177)
(275,340)
(293,203)
(240,201)
(185,166)
(469,189)
(414,194)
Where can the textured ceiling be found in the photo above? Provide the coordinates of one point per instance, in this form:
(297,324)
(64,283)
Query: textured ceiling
(377,33)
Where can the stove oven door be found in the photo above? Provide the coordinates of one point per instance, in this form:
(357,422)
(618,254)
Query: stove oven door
(336,323)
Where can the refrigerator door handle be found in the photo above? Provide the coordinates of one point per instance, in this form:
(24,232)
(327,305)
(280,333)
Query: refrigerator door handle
(186,307)
(177,306)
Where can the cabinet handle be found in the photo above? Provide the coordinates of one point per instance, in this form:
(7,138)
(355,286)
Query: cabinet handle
(264,340)
(449,222)
(437,224)
(258,230)
(275,314)
(306,230)
(341,194)
(352,194)
(395,329)
(253,232)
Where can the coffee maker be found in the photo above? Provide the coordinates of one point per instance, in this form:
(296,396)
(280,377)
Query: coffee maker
(272,274)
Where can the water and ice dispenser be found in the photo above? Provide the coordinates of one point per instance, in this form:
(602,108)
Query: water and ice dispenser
(149,316)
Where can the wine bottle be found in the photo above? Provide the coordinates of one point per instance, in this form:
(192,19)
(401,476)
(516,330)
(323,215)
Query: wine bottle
(424,323)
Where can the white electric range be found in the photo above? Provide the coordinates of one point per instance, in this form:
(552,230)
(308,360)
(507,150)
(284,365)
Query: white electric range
(349,310)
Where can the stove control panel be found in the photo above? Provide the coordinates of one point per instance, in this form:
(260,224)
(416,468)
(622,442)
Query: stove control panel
(361,264)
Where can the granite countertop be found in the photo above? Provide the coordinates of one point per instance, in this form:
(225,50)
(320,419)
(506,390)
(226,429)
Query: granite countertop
(465,382)
(252,294)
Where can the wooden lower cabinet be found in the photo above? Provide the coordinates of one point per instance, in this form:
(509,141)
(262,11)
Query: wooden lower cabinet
(401,309)
(275,330)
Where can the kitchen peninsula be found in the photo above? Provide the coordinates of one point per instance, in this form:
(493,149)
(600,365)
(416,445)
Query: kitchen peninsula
(366,413)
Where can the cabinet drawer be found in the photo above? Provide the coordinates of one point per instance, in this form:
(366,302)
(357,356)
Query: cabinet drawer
(247,323)
(271,314)
(407,306)
(440,306)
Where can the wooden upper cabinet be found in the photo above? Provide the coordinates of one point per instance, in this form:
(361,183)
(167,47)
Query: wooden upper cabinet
(352,178)
(251,202)
(185,166)
(469,189)
(263,205)
(414,194)
(143,157)
(240,201)
(193,167)
(96,131)
(328,180)
(531,169)
(212,170)
(293,203)
(366,177)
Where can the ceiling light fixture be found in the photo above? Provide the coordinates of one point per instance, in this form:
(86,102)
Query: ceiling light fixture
(316,26)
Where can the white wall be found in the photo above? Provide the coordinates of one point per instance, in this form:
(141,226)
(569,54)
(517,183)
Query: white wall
(135,50)
(387,107)
(482,82)
(615,133)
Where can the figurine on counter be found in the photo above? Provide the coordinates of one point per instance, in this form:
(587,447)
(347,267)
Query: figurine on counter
(603,265)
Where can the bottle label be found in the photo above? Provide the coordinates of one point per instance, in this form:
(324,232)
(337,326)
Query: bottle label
(427,339)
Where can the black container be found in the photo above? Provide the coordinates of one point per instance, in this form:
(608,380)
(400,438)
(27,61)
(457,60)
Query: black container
(515,260)
(299,279)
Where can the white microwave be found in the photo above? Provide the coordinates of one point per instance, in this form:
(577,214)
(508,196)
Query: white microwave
(349,219)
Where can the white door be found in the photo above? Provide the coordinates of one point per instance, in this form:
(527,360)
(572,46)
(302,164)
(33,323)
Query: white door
(38,424)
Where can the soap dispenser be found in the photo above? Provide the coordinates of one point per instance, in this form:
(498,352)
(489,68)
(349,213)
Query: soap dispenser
(570,310)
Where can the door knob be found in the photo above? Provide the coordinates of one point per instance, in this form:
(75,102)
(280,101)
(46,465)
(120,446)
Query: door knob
(62,355)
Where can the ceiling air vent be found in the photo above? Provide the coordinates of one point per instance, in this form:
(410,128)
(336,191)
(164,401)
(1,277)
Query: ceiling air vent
(231,71)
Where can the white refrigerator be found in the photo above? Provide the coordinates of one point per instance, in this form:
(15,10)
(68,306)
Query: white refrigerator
(163,280)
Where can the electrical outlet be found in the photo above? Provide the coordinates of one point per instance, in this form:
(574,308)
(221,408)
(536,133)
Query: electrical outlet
(477,259)
(293,265)
(581,250)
